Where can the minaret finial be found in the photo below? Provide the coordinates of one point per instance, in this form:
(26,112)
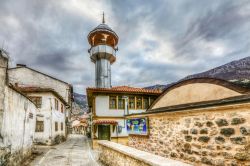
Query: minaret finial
(103,19)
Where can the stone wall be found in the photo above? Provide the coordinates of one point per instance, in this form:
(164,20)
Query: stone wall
(215,136)
(114,154)
(113,158)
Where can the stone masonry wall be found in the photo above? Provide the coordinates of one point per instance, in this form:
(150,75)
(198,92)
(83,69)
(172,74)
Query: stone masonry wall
(111,157)
(115,154)
(209,137)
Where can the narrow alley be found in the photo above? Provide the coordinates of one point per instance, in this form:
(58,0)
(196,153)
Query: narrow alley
(76,151)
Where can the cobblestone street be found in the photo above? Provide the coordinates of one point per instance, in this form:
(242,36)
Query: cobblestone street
(76,151)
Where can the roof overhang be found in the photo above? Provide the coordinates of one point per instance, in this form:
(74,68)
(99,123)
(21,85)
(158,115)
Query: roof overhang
(108,122)
(27,90)
(197,106)
(107,91)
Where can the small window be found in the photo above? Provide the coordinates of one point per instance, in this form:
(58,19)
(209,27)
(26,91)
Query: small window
(145,103)
(62,126)
(56,126)
(152,100)
(112,102)
(138,102)
(39,126)
(131,102)
(56,104)
(36,100)
(121,104)
(62,108)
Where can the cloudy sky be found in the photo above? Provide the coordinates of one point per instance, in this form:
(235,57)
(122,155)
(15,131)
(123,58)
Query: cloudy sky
(161,41)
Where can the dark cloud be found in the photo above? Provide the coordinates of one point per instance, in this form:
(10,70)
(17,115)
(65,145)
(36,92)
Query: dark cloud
(160,41)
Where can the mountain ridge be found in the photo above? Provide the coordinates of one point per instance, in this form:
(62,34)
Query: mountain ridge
(237,71)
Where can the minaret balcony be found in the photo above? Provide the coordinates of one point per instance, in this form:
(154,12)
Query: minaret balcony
(102,51)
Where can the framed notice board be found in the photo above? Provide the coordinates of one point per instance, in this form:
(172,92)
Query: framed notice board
(137,126)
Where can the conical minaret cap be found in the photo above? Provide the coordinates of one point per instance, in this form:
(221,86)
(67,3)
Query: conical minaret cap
(103,30)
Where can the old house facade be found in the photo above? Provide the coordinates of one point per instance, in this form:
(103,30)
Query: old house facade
(53,97)
(51,115)
(202,121)
(18,115)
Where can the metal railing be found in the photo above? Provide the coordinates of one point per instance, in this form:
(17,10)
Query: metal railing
(102,49)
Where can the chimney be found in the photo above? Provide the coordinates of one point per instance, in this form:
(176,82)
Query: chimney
(20,65)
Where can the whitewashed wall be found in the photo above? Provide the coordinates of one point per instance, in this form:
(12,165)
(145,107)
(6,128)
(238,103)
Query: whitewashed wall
(121,122)
(49,115)
(102,109)
(22,75)
(18,127)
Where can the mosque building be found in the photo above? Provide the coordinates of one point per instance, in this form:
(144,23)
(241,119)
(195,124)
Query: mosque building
(108,104)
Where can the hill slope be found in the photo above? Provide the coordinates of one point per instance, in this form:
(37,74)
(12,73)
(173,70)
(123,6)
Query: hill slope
(235,70)
(80,99)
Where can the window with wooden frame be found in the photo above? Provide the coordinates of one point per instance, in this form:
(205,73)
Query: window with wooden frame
(131,102)
(62,108)
(61,126)
(121,103)
(145,102)
(36,100)
(151,100)
(138,102)
(112,102)
(56,126)
(39,126)
(56,104)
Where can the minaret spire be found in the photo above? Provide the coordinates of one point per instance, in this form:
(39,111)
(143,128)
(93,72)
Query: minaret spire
(103,41)
(103,19)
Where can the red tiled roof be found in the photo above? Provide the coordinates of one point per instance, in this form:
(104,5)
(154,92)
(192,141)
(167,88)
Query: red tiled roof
(113,122)
(125,89)
(30,89)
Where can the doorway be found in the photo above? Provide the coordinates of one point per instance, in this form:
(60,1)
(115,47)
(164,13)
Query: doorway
(104,132)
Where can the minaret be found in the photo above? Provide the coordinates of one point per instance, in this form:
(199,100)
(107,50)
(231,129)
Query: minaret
(103,41)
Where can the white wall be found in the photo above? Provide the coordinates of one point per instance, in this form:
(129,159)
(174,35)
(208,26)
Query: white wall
(22,75)
(102,109)
(49,115)
(121,122)
(18,127)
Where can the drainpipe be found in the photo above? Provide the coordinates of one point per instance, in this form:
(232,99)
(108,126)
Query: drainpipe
(51,124)
(24,124)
